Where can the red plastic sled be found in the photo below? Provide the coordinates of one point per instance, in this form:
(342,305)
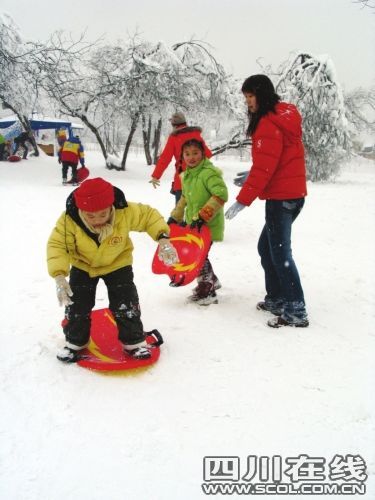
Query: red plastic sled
(14,158)
(192,247)
(82,174)
(105,352)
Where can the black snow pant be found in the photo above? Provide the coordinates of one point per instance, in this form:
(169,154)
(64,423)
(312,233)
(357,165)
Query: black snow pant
(24,147)
(123,303)
(65,166)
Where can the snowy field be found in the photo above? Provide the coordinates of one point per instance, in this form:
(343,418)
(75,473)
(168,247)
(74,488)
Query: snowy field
(225,385)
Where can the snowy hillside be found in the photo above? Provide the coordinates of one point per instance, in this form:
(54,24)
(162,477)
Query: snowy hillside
(225,385)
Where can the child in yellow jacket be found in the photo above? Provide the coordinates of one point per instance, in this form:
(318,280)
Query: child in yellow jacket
(91,241)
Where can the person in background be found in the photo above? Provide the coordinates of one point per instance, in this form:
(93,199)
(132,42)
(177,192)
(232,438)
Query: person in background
(203,196)
(2,147)
(180,134)
(91,241)
(22,141)
(277,175)
(70,153)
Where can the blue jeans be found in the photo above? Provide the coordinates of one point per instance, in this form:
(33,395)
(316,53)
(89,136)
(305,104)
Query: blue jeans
(283,284)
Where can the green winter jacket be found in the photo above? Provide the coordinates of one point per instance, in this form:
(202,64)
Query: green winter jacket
(199,184)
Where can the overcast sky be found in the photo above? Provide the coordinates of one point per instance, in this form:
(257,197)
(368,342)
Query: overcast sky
(240,31)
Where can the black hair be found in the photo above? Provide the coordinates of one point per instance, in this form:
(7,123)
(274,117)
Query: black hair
(193,142)
(262,87)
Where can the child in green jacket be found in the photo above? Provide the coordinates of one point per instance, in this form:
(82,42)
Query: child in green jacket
(203,196)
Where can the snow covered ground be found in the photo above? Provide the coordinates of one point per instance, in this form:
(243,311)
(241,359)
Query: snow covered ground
(225,385)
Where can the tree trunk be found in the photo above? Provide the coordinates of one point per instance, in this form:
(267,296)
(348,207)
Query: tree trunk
(26,124)
(133,128)
(95,131)
(156,140)
(146,133)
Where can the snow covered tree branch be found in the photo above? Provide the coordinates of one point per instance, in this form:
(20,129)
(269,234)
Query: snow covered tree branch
(310,82)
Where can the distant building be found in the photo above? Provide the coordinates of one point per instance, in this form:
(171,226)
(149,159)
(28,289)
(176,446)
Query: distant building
(368,152)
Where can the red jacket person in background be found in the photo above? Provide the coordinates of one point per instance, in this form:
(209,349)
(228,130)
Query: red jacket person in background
(70,153)
(278,175)
(181,133)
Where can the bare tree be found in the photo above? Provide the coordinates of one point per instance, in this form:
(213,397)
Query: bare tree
(66,79)
(360,109)
(18,90)
(366,3)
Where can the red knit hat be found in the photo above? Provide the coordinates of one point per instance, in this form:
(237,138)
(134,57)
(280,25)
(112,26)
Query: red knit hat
(94,195)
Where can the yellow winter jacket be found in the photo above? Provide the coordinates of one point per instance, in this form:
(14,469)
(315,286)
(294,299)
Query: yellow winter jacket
(71,243)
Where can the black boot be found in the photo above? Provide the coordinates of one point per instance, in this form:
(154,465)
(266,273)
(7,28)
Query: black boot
(68,355)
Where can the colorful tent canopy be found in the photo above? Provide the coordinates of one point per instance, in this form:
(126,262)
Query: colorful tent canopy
(41,123)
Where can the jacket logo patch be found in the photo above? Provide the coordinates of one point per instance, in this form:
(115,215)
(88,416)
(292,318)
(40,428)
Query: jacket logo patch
(115,240)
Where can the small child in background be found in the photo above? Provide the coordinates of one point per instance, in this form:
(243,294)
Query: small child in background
(70,153)
(91,241)
(203,196)
(181,133)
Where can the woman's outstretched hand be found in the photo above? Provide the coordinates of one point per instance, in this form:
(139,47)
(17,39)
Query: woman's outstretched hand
(233,210)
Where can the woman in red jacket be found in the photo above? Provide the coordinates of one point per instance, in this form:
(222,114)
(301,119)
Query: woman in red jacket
(278,175)
(181,133)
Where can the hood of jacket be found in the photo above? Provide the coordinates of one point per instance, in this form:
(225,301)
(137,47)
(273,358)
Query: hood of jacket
(74,140)
(72,209)
(183,130)
(287,118)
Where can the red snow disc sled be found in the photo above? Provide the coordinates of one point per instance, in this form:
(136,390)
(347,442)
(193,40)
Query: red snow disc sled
(14,158)
(192,248)
(106,353)
(82,174)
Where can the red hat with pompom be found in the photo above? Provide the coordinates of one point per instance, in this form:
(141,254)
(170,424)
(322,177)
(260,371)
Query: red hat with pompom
(94,195)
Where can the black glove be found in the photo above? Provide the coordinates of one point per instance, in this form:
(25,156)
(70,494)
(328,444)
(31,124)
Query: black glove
(171,220)
(197,224)
(59,160)
(241,178)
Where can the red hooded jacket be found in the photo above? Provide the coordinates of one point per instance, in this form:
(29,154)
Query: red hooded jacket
(278,171)
(173,149)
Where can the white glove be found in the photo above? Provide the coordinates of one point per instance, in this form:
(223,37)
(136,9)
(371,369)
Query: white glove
(155,182)
(167,252)
(233,210)
(240,178)
(63,291)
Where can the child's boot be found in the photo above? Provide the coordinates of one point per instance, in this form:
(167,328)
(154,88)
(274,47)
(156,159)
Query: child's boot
(204,294)
(216,283)
(138,351)
(68,355)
